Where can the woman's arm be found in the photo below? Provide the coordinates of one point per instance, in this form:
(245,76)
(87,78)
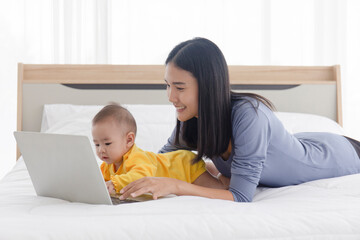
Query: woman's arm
(210,166)
(203,191)
(207,180)
(165,186)
(251,135)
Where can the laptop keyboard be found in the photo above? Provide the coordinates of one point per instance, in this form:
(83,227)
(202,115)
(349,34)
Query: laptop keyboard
(116,201)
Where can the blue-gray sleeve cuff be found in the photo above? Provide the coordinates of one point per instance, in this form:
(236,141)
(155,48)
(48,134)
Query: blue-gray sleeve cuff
(244,191)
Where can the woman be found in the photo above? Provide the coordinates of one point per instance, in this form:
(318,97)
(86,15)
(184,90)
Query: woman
(238,132)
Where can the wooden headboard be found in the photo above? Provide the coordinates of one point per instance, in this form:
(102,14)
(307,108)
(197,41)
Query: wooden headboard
(306,89)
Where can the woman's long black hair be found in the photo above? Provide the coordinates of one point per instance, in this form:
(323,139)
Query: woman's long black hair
(210,133)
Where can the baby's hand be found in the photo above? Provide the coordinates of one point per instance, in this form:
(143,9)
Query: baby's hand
(110,187)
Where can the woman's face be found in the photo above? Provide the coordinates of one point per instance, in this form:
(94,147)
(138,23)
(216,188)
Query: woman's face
(182,90)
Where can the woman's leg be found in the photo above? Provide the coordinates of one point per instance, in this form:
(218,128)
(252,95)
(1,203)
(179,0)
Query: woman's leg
(356,145)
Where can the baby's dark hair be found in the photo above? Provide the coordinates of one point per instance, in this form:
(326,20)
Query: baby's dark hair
(119,113)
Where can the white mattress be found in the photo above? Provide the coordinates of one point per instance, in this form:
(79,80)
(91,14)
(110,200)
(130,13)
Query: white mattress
(323,209)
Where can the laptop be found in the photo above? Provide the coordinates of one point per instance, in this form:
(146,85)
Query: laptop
(65,167)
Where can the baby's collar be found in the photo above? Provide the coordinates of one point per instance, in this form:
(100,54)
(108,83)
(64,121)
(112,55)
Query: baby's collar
(126,155)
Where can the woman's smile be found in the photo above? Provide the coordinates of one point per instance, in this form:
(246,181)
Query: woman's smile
(180,109)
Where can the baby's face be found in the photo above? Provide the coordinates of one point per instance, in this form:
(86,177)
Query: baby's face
(110,141)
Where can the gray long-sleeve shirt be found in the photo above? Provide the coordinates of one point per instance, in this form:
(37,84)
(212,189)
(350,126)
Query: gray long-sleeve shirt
(263,152)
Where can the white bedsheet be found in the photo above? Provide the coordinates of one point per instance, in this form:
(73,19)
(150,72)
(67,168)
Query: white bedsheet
(323,209)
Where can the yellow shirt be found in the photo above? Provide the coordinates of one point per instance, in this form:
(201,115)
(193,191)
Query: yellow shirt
(138,163)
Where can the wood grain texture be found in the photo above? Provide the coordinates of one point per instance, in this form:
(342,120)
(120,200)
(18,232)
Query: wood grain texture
(154,74)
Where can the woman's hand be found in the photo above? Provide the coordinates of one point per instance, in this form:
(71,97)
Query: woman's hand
(158,186)
(110,187)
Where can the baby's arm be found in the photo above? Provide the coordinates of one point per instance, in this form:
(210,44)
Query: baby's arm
(207,180)
(136,170)
(106,175)
(121,180)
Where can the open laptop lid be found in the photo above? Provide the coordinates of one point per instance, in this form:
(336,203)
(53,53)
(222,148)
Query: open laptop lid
(63,166)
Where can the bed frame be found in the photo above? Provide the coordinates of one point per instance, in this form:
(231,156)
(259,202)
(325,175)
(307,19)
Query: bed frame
(305,89)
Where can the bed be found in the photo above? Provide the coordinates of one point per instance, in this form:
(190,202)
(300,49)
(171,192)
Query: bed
(63,99)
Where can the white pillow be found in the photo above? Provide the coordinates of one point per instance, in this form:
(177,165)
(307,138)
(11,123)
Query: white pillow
(303,122)
(156,122)
(54,113)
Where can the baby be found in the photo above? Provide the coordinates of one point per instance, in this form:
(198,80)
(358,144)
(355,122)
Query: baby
(114,131)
